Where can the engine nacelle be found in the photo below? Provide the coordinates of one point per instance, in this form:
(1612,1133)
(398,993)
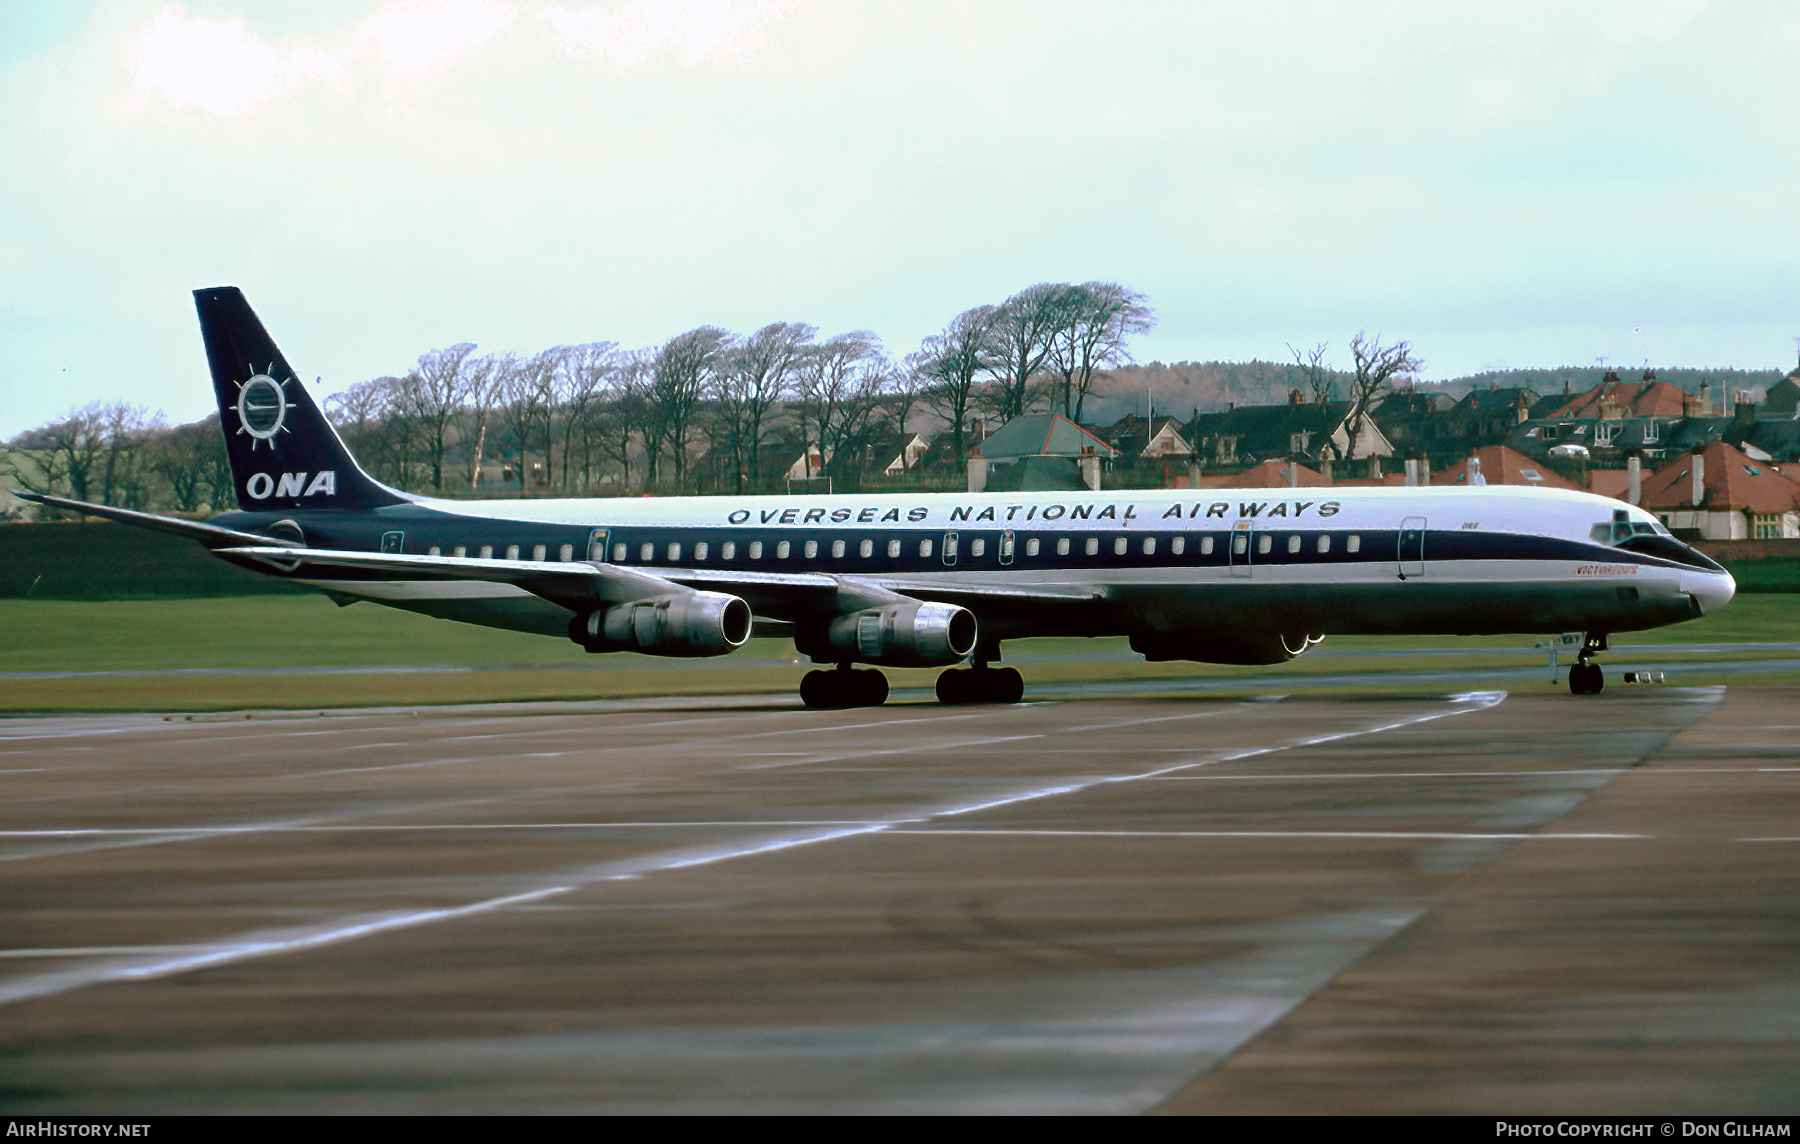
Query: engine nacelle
(900,635)
(1239,649)
(680,624)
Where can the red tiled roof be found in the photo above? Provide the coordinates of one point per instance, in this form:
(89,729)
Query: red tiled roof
(1731,481)
(1270,474)
(1503,466)
(1638,399)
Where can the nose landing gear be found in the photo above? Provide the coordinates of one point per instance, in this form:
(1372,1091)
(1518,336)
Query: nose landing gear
(844,687)
(1585,676)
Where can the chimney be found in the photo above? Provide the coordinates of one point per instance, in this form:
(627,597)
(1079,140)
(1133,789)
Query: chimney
(1295,397)
(1476,480)
(978,470)
(1699,467)
(1705,397)
(1090,468)
(1325,467)
(1293,471)
(1746,408)
(1412,472)
(1634,478)
(1194,469)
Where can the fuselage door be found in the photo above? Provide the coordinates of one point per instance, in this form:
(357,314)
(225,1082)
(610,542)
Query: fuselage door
(1412,547)
(1006,547)
(597,545)
(1242,533)
(949,549)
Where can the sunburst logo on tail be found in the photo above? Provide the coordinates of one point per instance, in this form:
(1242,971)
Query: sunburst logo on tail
(262,407)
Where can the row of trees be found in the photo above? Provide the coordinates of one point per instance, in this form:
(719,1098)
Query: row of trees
(707,410)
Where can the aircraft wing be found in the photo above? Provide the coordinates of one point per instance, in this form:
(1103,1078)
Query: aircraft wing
(577,585)
(210,535)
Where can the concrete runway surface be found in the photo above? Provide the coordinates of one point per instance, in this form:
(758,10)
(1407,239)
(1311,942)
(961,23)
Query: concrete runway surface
(1141,902)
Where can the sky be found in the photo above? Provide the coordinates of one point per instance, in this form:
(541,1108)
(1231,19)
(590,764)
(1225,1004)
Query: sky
(1501,184)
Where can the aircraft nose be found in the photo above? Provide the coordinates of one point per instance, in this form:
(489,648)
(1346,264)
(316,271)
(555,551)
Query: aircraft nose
(1711,590)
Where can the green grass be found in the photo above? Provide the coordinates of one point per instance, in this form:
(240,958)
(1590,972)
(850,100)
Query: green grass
(309,631)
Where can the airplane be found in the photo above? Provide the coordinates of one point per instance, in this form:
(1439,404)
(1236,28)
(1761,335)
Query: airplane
(1225,576)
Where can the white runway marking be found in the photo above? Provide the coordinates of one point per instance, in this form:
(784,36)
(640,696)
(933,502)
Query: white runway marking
(266,943)
(1427,835)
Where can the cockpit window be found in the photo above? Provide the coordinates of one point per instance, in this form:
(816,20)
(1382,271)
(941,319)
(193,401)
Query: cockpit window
(1651,539)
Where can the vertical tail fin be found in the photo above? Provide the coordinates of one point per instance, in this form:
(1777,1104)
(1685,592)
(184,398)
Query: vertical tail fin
(284,453)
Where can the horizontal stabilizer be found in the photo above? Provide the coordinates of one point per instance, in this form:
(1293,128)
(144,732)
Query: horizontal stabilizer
(210,535)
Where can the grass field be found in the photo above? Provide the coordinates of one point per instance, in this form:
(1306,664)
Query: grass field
(258,635)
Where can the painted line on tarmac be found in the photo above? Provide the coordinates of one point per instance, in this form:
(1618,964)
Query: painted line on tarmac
(1420,835)
(267,943)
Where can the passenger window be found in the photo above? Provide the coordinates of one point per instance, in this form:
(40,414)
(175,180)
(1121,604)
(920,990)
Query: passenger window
(1062,546)
(1149,546)
(1206,545)
(1178,545)
(782,550)
(512,552)
(487,552)
(728,550)
(1354,544)
(756,550)
(537,553)
(1031,547)
(1240,543)
(1324,544)
(977,546)
(618,553)
(647,553)
(1093,546)
(812,549)
(566,552)
(434,550)
(866,549)
(837,549)
(924,548)
(893,549)
(460,550)
(1293,544)
(700,551)
(674,552)
(1264,543)
(1119,545)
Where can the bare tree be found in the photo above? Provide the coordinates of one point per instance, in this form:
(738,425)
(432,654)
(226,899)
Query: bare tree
(1025,327)
(176,455)
(841,383)
(1095,319)
(481,386)
(755,378)
(680,374)
(1318,376)
(433,394)
(582,373)
(1377,366)
(951,362)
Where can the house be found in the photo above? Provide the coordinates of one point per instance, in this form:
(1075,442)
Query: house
(904,452)
(1310,430)
(1721,493)
(1150,439)
(1269,475)
(1042,435)
(1498,465)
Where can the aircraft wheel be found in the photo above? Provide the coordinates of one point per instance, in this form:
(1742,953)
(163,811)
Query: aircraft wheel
(816,690)
(868,688)
(1006,685)
(1586,679)
(953,686)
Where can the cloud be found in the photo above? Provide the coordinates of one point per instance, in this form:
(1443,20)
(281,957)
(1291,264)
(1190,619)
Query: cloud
(217,66)
(693,31)
(429,35)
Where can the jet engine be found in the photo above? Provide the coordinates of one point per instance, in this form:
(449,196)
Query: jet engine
(688,624)
(1241,649)
(910,634)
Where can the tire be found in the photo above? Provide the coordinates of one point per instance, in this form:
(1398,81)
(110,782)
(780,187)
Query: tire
(871,689)
(1006,685)
(816,690)
(1586,679)
(953,686)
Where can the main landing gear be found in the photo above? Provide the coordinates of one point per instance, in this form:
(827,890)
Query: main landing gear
(1585,677)
(844,686)
(980,684)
